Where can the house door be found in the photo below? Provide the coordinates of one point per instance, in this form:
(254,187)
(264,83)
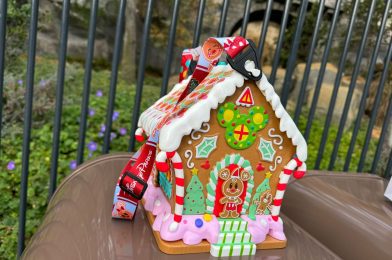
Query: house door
(230,187)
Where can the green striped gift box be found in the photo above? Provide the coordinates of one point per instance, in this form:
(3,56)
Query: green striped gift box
(241,249)
(233,225)
(234,237)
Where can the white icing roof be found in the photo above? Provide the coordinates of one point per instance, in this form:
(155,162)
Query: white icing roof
(171,134)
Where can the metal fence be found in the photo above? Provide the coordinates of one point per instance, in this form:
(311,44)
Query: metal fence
(302,10)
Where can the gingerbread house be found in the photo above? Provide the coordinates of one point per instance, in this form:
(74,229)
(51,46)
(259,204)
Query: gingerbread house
(225,154)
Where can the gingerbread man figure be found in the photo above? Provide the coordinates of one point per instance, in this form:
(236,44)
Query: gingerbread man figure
(264,203)
(232,188)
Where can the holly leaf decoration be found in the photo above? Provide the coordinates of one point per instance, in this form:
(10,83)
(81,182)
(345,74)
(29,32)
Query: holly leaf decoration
(267,150)
(206,146)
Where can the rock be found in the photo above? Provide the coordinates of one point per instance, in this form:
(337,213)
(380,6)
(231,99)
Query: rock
(324,102)
(128,61)
(383,104)
(360,83)
(253,32)
(280,74)
(49,24)
(329,77)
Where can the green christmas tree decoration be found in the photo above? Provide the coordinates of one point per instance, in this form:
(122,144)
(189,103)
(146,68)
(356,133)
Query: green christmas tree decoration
(194,201)
(263,187)
(252,211)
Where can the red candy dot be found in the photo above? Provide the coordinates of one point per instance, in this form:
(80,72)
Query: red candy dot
(233,124)
(248,121)
(223,121)
(260,167)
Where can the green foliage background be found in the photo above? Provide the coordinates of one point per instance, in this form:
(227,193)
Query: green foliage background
(41,141)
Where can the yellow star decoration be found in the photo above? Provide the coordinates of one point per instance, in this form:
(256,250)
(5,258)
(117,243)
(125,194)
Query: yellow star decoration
(194,171)
(268,175)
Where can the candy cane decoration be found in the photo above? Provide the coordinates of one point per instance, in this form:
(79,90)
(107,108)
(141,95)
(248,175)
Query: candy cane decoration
(139,135)
(283,180)
(179,173)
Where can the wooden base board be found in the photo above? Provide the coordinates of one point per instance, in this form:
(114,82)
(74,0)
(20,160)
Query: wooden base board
(178,247)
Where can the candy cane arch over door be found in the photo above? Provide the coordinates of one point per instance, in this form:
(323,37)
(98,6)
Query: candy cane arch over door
(283,180)
(179,174)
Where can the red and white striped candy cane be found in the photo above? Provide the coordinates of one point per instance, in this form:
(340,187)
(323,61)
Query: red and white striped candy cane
(161,164)
(283,180)
(139,135)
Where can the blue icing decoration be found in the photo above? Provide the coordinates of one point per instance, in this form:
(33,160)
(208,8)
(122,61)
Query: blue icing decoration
(198,223)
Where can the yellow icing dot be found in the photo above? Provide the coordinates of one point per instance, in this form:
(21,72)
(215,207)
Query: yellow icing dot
(258,118)
(228,115)
(207,217)
(238,116)
(229,140)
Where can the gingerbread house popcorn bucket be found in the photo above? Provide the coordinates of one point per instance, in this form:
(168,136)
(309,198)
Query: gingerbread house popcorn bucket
(219,151)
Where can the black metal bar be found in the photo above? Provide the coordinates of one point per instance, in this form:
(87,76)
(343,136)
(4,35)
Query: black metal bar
(264,28)
(87,80)
(323,65)
(351,90)
(170,46)
(338,79)
(118,44)
(279,44)
(3,22)
(140,74)
(291,62)
(313,45)
(199,21)
(384,131)
(222,22)
(388,170)
(59,97)
(376,106)
(27,123)
(369,79)
(245,20)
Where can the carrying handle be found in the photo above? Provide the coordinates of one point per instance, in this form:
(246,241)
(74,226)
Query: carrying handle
(244,61)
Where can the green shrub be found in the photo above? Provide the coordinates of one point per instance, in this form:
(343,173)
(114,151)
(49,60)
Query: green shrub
(17,23)
(41,137)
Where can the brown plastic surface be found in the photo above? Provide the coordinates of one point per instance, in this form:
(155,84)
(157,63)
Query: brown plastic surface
(346,212)
(78,223)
